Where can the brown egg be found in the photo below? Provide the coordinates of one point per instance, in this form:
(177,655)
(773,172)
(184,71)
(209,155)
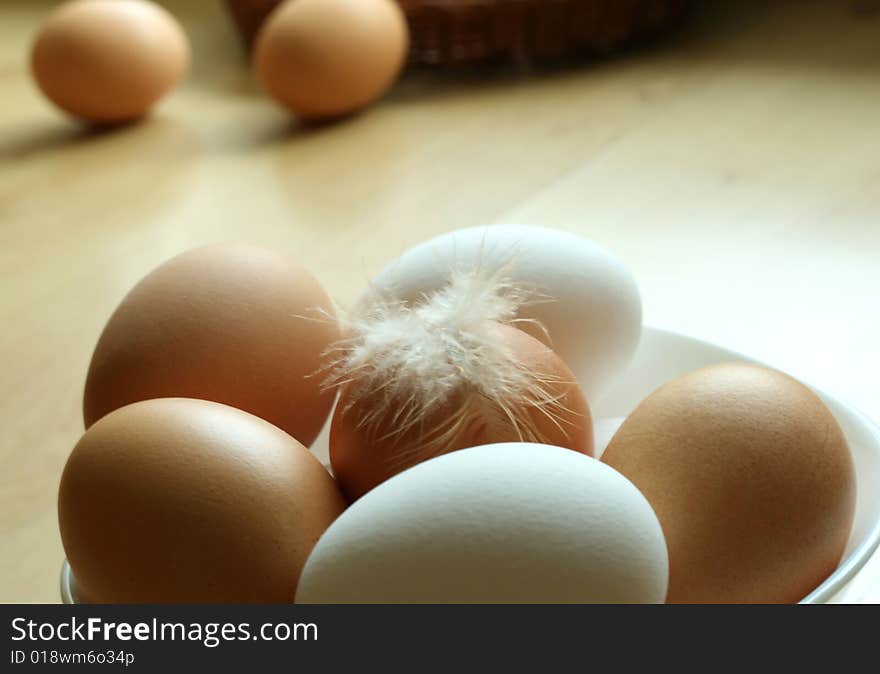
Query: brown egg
(751,479)
(324,58)
(364,455)
(235,324)
(109,61)
(187,501)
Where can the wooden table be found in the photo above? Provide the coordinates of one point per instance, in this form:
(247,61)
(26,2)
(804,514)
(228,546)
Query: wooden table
(735,167)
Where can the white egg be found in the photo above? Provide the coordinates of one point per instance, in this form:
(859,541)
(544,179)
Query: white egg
(504,523)
(591,308)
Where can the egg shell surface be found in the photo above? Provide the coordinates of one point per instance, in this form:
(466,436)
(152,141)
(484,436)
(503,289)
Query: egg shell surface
(325,58)
(363,458)
(751,478)
(586,299)
(109,61)
(187,501)
(232,323)
(504,523)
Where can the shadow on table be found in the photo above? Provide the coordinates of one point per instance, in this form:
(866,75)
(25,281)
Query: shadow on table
(52,138)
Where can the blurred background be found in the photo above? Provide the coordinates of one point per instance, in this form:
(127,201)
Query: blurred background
(733,162)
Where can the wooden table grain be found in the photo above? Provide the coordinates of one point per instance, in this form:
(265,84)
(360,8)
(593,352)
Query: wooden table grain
(735,167)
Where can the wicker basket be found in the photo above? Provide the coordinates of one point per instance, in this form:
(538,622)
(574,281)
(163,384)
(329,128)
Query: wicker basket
(470,31)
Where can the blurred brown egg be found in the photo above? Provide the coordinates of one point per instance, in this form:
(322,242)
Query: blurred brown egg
(186,501)
(109,61)
(365,453)
(235,324)
(325,58)
(751,478)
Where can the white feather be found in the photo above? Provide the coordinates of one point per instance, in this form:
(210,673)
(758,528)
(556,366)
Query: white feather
(407,359)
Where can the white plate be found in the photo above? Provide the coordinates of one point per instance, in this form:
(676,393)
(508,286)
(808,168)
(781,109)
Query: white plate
(663,355)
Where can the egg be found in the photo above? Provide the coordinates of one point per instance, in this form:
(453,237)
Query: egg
(187,501)
(751,478)
(325,58)
(363,455)
(231,323)
(586,304)
(109,61)
(503,523)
